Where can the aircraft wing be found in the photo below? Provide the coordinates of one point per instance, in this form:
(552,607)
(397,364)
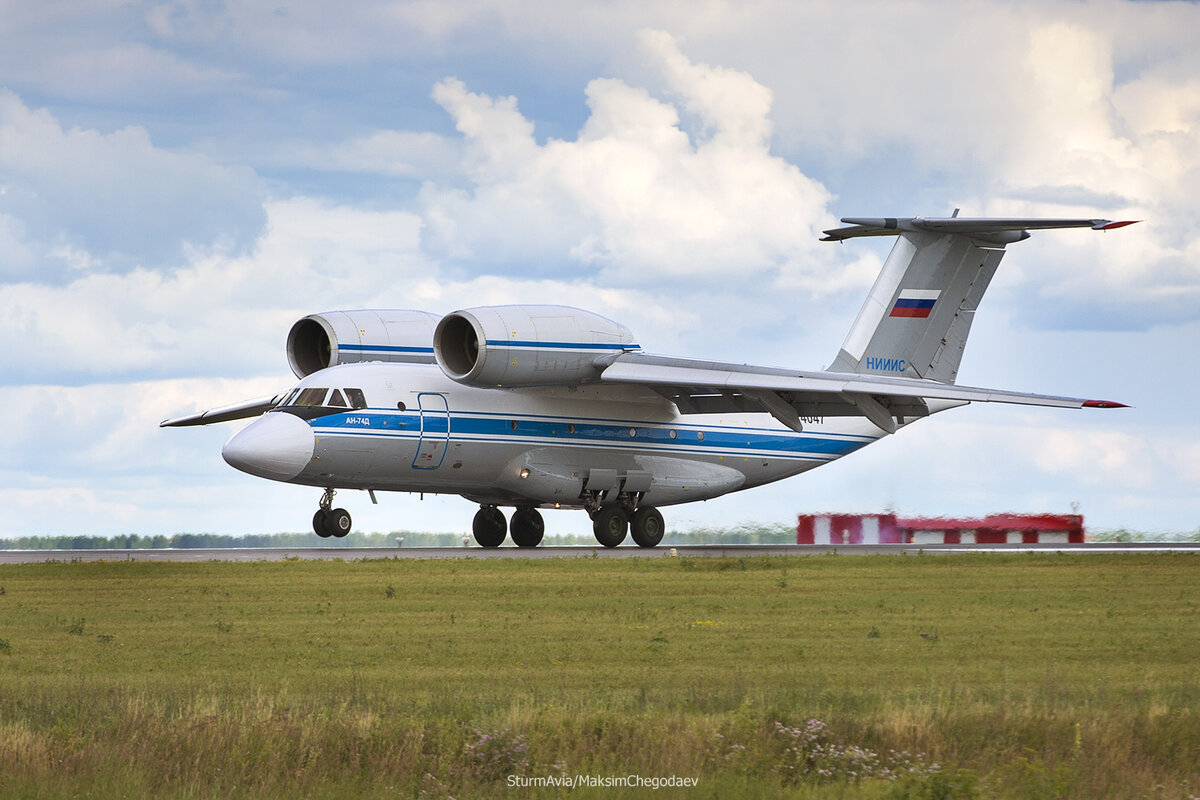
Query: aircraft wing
(243,410)
(708,387)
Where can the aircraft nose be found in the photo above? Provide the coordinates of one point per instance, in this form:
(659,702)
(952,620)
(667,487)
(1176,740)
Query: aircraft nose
(276,446)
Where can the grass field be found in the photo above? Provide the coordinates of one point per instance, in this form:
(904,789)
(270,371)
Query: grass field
(811,677)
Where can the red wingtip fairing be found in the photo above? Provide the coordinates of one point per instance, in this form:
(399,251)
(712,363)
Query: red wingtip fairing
(1114,225)
(1103,404)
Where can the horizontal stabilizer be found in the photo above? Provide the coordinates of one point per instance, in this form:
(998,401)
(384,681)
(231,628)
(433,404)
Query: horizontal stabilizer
(243,410)
(966,226)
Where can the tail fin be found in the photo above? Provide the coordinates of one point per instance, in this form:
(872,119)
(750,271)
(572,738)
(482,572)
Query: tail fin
(915,321)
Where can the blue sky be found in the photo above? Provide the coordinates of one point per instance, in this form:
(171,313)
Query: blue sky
(180,181)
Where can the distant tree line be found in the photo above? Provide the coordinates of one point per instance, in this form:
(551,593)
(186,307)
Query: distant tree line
(195,541)
(1123,535)
(781,533)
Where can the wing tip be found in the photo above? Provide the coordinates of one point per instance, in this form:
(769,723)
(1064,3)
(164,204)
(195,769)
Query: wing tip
(1103,404)
(1111,226)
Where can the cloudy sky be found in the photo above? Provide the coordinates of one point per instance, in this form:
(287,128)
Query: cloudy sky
(180,181)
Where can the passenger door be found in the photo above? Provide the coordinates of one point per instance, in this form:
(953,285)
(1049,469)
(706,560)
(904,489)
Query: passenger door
(435,431)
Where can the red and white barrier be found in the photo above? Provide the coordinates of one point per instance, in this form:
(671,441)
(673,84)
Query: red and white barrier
(888,529)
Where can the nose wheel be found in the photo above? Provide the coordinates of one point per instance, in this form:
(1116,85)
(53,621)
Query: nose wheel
(330,521)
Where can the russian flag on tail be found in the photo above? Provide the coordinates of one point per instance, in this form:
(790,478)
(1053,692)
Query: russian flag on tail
(915,303)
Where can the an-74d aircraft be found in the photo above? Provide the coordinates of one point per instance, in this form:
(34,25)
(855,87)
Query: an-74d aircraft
(530,406)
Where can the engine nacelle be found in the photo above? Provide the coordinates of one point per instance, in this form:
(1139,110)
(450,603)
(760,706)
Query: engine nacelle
(527,345)
(347,337)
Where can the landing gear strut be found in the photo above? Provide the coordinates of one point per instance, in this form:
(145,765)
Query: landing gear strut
(330,521)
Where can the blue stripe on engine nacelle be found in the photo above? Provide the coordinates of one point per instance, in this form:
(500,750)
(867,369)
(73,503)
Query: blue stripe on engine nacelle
(379,348)
(560,345)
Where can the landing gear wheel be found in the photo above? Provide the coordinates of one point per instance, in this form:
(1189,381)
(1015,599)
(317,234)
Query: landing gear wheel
(647,527)
(319,523)
(526,527)
(331,522)
(610,524)
(338,522)
(489,526)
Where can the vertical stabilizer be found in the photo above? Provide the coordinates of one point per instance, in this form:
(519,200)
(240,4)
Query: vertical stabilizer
(916,318)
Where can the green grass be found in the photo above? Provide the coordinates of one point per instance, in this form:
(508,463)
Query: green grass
(1016,675)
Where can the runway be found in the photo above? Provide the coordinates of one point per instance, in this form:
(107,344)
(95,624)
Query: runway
(572,551)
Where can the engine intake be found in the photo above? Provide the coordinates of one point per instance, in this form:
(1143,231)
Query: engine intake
(347,337)
(527,345)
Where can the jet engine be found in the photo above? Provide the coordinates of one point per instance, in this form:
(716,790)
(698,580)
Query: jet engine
(346,337)
(527,345)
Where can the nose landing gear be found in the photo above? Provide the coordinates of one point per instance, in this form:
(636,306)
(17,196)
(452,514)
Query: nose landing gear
(329,521)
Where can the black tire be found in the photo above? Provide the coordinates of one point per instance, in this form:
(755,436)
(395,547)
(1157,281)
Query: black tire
(610,524)
(338,522)
(647,527)
(320,526)
(526,527)
(489,527)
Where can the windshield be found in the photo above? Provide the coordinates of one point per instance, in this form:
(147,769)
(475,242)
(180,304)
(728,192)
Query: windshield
(323,397)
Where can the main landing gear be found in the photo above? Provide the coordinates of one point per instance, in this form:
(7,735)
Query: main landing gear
(329,521)
(611,523)
(527,527)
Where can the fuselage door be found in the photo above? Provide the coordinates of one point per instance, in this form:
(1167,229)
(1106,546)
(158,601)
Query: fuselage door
(435,431)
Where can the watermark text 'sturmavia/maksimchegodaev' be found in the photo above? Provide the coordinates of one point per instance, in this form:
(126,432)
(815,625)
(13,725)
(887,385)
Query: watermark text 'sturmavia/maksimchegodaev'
(602,781)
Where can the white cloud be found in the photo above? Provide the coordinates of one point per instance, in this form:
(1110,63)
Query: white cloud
(416,155)
(63,432)
(116,196)
(633,194)
(121,72)
(217,315)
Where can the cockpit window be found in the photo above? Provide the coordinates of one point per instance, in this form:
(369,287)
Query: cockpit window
(311,397)
(288,398)
(322,397)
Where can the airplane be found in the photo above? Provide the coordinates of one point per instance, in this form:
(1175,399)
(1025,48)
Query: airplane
(545,406)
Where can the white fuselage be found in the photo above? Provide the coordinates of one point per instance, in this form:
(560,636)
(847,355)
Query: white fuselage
(423,432)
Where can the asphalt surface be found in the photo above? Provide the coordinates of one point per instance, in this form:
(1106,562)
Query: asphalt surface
(574,551)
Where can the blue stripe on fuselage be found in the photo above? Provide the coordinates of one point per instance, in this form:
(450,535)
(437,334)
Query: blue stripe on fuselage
(626,434)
